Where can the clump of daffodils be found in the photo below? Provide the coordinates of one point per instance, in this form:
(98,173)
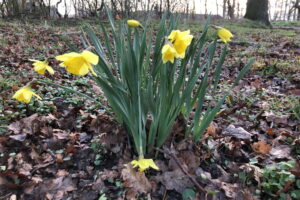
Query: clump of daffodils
(137,85)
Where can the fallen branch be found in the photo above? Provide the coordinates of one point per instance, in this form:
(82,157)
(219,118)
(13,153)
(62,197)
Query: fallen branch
(69,33)
(199,187)
(287,28)
(244,43)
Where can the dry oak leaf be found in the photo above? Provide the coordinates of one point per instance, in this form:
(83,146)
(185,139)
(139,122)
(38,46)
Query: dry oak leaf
(261,147)
(212,130)
(135,181)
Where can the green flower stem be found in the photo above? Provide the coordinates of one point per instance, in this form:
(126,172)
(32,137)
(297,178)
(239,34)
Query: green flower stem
(76,92)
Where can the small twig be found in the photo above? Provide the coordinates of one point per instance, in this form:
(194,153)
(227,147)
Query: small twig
(199,187)
(287,28)
(5,196)
(45,164)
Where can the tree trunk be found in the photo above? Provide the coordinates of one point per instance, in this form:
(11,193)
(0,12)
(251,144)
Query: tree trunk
(57,4)
(258,10)
(297,7)
(224,8)
(205,5)
(217,6)
(231,8)
(168,7)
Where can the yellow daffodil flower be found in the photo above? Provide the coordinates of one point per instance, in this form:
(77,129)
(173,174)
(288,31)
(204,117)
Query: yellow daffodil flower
(144,164)
(224,35)
(79,63)
(25,94)
(180,41)
(41,66)
(133,23)
(168,53)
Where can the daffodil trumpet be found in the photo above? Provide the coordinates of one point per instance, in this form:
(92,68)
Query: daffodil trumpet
(79,63)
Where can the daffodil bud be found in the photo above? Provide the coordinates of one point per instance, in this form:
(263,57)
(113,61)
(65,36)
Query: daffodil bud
(133,23)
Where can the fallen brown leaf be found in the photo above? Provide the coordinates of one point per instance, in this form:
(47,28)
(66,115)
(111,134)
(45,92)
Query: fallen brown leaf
(271,132)
(261,147)
(175,180)
(135,181)
(212,130)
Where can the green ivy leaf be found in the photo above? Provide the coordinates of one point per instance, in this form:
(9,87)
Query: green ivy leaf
(188,194)
(295,194)
(298,183)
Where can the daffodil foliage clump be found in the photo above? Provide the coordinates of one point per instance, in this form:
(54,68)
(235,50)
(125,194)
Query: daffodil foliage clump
(150,84)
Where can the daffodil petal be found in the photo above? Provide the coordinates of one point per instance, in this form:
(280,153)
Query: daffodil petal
(67,56)
(40,69)
(33,60)
(144,164)
(153,165)
(27,96)
(173,35)
(90,57)
(37,96)
(225,35)
(92,70)
(168,53)
(77,66)
(17,94)
(50,70)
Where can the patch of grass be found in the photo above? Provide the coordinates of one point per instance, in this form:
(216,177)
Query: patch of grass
(286,23)
(7,83)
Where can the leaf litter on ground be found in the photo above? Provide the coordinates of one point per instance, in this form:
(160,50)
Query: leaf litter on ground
(77,152)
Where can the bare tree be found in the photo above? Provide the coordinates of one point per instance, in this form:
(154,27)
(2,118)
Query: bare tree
(187,7)
(238,10)
(205,6)
(224,8)
(286,9)
(231,8)
(258,10)
(217,6)
(296,9)
(57,4)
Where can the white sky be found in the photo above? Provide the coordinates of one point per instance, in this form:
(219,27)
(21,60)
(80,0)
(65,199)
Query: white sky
(212,6)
